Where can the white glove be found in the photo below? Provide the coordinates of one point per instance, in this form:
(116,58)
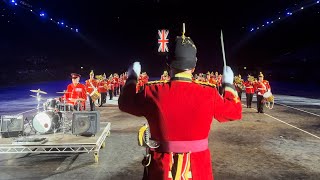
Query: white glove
(228,75)
(134,70)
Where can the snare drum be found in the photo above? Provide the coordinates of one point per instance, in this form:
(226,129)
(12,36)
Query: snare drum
(51,104)
(46,122)
(95,95)
(65,107)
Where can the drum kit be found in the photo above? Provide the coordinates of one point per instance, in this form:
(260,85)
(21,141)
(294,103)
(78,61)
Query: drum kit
(54,116)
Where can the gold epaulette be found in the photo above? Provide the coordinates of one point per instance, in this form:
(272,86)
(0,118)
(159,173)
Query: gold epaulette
(205,83)
(156,82)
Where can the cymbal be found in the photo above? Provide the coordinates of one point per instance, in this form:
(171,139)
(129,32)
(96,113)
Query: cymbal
(35,96)
(38,91)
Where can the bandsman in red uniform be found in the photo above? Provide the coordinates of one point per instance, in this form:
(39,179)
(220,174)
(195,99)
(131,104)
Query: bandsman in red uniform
(116,84)
(103,89)
(125,77)
(165,76)
(121,82)
(238,83)
(76,93)
(179,119)
(91,85)
(212,79)
(261,87)
(110,87)
(249,86)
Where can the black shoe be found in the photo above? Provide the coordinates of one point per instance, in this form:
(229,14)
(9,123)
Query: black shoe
(261,112)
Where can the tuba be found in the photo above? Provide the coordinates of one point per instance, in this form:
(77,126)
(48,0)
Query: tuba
(269,99)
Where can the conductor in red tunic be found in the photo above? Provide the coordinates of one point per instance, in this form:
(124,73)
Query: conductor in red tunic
(179,114)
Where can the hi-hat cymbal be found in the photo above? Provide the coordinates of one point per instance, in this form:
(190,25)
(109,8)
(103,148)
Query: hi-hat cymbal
(38,91)
(63,92)
(35,97)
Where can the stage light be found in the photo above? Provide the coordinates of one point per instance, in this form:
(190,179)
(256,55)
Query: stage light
(41,14)
(252,29)
(15,4)
(288,12)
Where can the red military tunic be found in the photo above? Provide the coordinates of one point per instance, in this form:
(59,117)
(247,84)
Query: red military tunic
(249,87)
(75,92)
(262,87)
(116,82)
(110,84)
(102,86)
(90,88)
(174,116)
(212,81)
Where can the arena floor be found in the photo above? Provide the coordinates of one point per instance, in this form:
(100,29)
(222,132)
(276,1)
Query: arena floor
(283,143)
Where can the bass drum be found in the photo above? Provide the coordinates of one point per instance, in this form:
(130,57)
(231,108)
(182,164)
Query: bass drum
(46,122)
(268,99)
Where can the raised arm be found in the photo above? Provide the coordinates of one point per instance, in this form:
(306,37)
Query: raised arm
(228,107)
(130,101)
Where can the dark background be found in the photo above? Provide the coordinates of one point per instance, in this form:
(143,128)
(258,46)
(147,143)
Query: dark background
(115,33)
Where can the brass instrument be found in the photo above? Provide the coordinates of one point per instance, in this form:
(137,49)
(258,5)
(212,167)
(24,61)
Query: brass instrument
(239,82)
(252,79)
(99,77)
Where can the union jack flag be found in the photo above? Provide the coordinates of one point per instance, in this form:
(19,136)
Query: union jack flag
(163,40)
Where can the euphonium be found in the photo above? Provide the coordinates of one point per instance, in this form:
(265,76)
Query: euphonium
(239,82)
